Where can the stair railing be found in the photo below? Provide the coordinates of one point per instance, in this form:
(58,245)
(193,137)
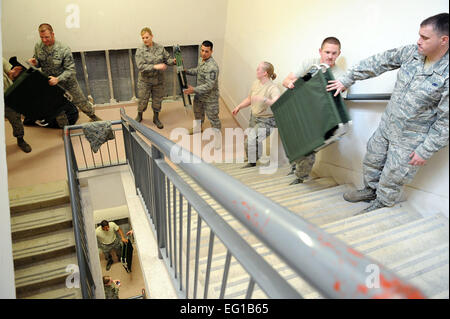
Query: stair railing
(82,250)
(166,196)
(328,264)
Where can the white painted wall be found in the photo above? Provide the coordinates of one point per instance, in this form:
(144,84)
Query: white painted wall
(7,287)
(286,31)
(112,24)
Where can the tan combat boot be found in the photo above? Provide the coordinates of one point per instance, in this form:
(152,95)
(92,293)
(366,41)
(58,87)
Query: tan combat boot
(139,117)
(375,204)
(197,128)
(156,120)
(366,194)
(24,146)
(217,139)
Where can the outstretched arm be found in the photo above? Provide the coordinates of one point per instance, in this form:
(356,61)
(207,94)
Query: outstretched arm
(288,82)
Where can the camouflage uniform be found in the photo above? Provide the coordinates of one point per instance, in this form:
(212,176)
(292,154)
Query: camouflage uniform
(107,248)
(13,117)
(98,133)
(304,166)
(261,119)
(58,61)
(415,119)
(111,291)
(259,132)
(206,98)
(151,81)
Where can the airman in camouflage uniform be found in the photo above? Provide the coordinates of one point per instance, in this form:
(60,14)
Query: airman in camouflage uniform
(14,118)
(56,60)
(262,95)
(206,98)
(414,125)
(329,52)
(151,60)
(111,288)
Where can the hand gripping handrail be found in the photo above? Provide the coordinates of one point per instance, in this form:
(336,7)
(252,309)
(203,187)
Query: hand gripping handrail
(335,269)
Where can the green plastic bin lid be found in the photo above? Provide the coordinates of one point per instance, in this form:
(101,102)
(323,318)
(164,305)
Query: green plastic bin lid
(307,115)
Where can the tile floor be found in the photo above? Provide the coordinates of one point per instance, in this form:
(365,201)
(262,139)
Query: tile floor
(46,161)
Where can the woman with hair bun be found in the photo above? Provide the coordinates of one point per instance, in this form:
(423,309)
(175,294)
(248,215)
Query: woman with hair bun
(152,60)
(261,97)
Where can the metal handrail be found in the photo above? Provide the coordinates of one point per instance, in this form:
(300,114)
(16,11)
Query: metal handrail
(368,97)
(260,270)
(87,288)
(107,148)
(331,266)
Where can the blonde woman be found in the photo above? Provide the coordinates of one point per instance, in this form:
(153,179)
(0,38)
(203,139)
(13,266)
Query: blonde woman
(151,60)
(261,97)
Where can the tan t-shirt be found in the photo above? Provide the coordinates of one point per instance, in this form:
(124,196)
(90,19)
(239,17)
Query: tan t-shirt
(267,90)
(107,237)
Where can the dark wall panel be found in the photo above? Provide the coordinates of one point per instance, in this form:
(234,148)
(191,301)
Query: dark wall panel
(120,73)
(98,76)
(121,76)
(80,74)
(191,57)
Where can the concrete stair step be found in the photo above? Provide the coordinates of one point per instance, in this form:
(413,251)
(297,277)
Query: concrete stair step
(301,189)
(38,196)
(397,238)
(279,193)
(31,223)
(404,241)
(356,227)
(324,206)
(374,217)
(228,166)
(225,215)
(32,277)
(238,277)
(40,247)
(255,173)
(428,270)
(255,180)
(236,168)
(56,292)
(397,215)
(237,286)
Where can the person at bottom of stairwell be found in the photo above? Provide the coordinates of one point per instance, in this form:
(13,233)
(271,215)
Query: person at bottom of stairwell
(206,100)
(14,118)
(111,287)
(56,60)
(151,60)
(329,52)
(414,125)
(262,95)
(108,240)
